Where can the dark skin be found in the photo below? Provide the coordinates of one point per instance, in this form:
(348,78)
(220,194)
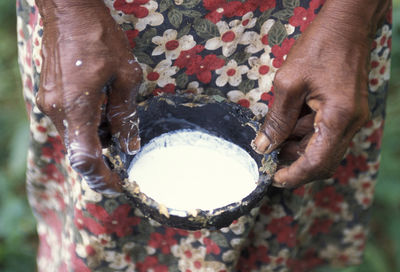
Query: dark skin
(313,119)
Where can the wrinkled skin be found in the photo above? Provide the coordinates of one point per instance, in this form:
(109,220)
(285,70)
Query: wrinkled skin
(84,51)
(320,91)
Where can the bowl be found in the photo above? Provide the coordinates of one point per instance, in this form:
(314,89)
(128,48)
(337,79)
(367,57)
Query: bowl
(166,118)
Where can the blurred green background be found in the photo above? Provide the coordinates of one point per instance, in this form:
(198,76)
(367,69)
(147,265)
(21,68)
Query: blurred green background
(17,229)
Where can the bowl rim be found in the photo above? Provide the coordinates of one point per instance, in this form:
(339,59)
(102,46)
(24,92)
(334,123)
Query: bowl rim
(195,219)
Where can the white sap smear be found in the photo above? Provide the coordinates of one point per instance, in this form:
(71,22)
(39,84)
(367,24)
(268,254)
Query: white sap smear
(188,170)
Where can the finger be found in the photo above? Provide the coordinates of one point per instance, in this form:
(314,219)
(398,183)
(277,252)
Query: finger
(121,109)
(292,150)
(83,113)
(47,102)
(283,114)
(304,126)
(334,129)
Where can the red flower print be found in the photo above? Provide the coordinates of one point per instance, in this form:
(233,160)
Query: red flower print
(283,229)
(220,8)
(118,222)
(169,88)
(329,199)
(211,246)
(262,5)
(254,255)
(54,149)
(306,263)
(389,15)
(151,263)
(44,249)
(269,96)
(316,4)
(302,17)
(82,222)
(244,102)
(229,9)
(320,226)
(77,263)
(131,35)
(133,7)
(187,57)
(376,138)
(52,173)
(346,171)
(300,191)
(202,67)
(163,241)
(280,52)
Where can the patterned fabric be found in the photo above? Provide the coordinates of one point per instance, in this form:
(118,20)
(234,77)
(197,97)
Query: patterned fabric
(226,48)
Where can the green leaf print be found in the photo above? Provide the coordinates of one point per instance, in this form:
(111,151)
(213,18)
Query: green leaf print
(164,5)
(246,85)
(277,34)
(175,17)
(219,239)
(283,14)
(143,57)
(184,30)
(182,80)
(264,17)
(191,13)
(205,29)
(291,4)
(190,3)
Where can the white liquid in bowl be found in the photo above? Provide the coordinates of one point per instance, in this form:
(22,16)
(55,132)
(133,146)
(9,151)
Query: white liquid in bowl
(187,170)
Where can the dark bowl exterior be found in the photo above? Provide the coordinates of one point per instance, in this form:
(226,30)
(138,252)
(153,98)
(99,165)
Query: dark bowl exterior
(217,117)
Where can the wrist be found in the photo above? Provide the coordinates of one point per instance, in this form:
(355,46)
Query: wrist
(56,10)
(360,18)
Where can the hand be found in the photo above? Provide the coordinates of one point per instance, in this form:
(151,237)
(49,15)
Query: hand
(89,79)
(321,94)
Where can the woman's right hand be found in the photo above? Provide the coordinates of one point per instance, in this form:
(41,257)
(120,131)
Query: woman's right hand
(89,79)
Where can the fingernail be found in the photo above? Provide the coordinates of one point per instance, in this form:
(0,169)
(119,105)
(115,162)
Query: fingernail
(134,146)
(261,143)
(278,184)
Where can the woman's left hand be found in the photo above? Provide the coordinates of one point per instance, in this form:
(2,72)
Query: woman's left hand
(321,92)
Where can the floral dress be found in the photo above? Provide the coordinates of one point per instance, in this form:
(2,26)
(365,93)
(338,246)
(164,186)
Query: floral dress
(226,48)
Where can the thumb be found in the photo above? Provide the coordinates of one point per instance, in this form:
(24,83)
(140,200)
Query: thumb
(121,109)
(283,114)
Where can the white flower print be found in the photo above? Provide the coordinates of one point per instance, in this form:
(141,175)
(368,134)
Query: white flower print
(382,40)
(340,257)
(249,100)
(153,18)
(262,70)
(40,131)
(365,188)
(355,235)
(229,38)
(380,69)
(193,87)
(170,45)
(159,76)
(257,41)
(231,73)
(248,20)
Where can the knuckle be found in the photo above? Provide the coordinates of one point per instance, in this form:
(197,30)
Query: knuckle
(316,168)
(283,83)
(354,113)
(275,125)
(82,163)
(46,101)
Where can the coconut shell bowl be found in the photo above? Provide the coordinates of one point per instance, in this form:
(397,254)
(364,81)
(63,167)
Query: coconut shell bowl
(212,116)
